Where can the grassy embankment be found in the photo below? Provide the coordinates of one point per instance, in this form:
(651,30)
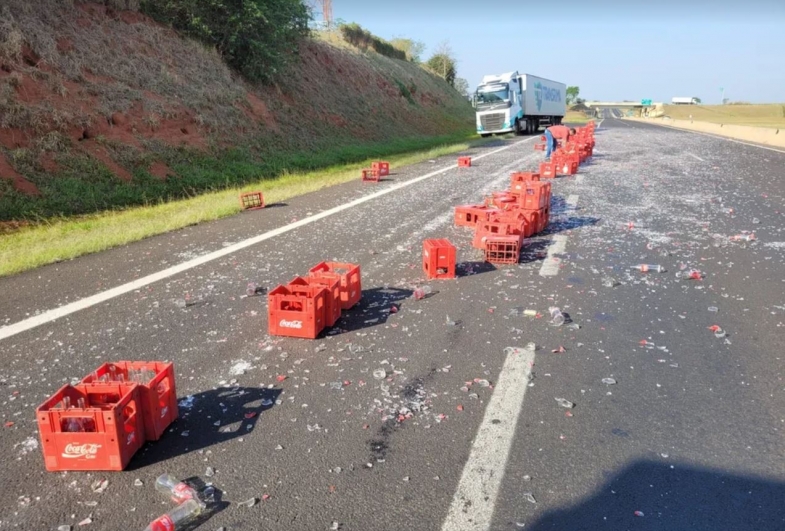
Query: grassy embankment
(55,240)
(765,115)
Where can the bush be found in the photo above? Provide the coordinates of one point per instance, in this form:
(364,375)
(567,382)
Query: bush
(256,37)
(363,39)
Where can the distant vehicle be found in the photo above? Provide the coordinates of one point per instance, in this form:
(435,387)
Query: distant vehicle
(518,103)
(685,101)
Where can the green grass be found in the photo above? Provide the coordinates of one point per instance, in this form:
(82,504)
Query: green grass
(576,117)
(61,239)
(767,115)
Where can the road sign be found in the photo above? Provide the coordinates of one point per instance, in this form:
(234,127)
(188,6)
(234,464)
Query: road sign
(645,102)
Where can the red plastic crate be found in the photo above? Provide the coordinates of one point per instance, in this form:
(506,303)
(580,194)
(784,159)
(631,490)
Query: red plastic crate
(548,170)
(502,250)
(532,226)
(296,314)
(158,394)
(566,167)
(490,228)
(382,168)
(111,420)
(464,162)
(503,200)
(535,195)
(251,201)
(370,176)
(438,258)
(333,287)
(544,218)
(349,275)
(469,215)
(519,178)
(539,147)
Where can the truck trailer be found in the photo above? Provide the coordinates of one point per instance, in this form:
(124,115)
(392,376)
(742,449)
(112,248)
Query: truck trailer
(518,103)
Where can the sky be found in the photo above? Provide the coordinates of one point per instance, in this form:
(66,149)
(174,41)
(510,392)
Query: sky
(650,50)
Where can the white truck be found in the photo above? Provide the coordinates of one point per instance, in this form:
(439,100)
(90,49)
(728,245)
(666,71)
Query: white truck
(685,101)
(518,103)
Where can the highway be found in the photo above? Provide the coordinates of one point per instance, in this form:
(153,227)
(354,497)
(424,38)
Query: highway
(463,433)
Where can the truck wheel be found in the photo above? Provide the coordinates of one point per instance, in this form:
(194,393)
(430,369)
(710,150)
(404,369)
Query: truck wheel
(535,126)
(517,130)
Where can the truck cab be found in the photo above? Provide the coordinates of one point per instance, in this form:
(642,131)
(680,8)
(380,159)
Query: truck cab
(498,102)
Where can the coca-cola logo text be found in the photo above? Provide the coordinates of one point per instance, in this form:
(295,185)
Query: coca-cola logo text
(75,451)
(290,324)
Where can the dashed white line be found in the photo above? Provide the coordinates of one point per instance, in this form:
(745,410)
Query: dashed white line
(693,155)
(579,178)
(550,266)
(81,304)
(475,498)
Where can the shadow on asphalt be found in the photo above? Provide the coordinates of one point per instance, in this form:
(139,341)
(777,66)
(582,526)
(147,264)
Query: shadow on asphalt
(215,503)
(467,269)
(373,309)
(236,408)
(675,497)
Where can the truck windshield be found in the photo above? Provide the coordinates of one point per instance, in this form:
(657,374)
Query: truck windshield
(492,96)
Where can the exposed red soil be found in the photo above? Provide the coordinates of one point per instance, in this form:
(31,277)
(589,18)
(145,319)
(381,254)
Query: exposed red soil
(160,170)
(99,152)
(20,183)
(48,163)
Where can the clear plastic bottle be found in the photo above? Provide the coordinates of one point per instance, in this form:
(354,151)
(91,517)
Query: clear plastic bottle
(175,489)
(177,517)
(557,318)
(649,268)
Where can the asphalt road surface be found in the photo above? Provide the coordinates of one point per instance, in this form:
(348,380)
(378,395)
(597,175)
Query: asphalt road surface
(463,433)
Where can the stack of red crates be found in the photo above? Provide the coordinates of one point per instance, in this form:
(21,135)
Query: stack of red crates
(307,305)
(506,218)
(102,422)
(566,159)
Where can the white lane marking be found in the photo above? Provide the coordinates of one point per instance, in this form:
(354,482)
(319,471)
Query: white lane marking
(716,136)
(550,266)
(599,124)
(695,156)
(81,304)
(475,498)
(579,178)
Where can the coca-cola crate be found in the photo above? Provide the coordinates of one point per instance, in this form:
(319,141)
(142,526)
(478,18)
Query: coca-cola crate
(438,258)
(544,218)
(295,314)
(502,250)
(490,228)
(535,195)
(567,167)
(348,274)
(502,200)
(469,215)
(381,167)
(102,435)
(157,390)
(532,226)
(251,200)
(333,287)
(370,176)
(548,170)
(464,162)
(519,179)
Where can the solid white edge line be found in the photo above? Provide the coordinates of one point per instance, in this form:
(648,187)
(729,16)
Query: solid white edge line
(81,304)
(474,501)
(715,136)
(693,155)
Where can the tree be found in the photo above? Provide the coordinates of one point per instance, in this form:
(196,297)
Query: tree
(257,37)
(412,49)
(443,63)
(572,94)
(462,86)
(697,100)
